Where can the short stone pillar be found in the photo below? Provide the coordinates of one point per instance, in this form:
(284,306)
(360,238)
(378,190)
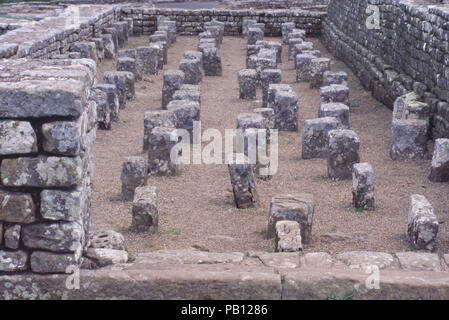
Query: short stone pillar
(271,45)
(186,112)
(173,80)
(292,207)
(408,139)
(211,61)
(247,79)
(148,58)
(342,153)
(422,224)
(335,77)
(334,93)
(160,143)
(130,65)
(285,108)
(153,119)
(274,88)
(337,110)
(250,124)
(286,28)
(440,161)
(317,68)
(254,35)
(124,82)
(188,94)
(144,210)
(111,98)
(363,186)
(195,55)
(110,51)
(242,181)
(315,137)
(292,52)
(246,25)
(267,77)
(268,116)
(302,48)
(192,69)
(303,67)
(104,120)
(134,174)
(87,50)
(288,237)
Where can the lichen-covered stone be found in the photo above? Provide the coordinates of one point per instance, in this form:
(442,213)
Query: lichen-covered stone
(254,35)
(134,174)
(337,110)
(422,224)
(408,139)
(105,257)
(17,137)
(108,239)
(17,207)
(342,154)
(285,108)
(440,161)
(315,137)
(11,236)
(149,58)
(334,93)
(318,67)
(145,209)
(42,171)
(161,141)
(242,181)
(64,137)
(211,61)
(247,79)
(156,118)
(112,99)
(186,112)
(57,237)
(63,205)
(172,81)
(129,65)
(363,186)
(288,237)
(13,261)
(49,262)
(292,207)
(303,67)
(335,77)
(192,69)
(267,77)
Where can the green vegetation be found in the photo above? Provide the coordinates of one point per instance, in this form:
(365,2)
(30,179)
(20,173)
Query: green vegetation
(347,296)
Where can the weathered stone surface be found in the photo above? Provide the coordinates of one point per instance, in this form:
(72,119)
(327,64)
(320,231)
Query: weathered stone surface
(363,186)
(303,67)
(48,262)
(42,171)
(17,137)
(334,93)
(103,112)
(63,205)
(110,50)
(292,207)
(145,209)
(421,261)
(254,35)
(422,224)
(409,139)
(104,257)
(242,181)
(12,261)
(86,49)
(286,28)
(273,88)
(318,67)
(343,153)
(247,23)
(440,161)
(42,98)
(108,239)
(129,65)
(12,236)
(247,79)
(335,77)
(288,237)
(17,207)
(285,108)
(124,82)
(186,112)
(173,80)
(122,32)
(149,58)
(316,260)
(211,61)
(112,96)
(161,141)
(337,110)
(57,237)
(408,106)
(64,137)
(134,174)
(157,118)
(188,94)
(364,259)
(194,55)
(315,137)
(267,77)
(192,70)
(272,45)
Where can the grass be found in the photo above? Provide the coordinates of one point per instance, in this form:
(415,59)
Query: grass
(268,251)
(379,106)
(263,232)
(148,245)
(360,209)
(355,106)
(333,229)
(348,296)
(410,248)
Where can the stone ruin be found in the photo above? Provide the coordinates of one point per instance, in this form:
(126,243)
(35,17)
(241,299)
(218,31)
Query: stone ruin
(51,106)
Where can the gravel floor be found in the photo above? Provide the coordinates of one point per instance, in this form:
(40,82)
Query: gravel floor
(196,208)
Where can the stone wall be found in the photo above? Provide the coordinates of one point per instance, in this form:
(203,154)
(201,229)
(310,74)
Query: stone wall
(55,35)
(408,52)
(276,4)
(47,128)
(190,22)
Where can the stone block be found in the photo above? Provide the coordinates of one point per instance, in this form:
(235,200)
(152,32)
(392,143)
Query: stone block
(337,110)
(315,137)
(211,62)
(13,261)
(440,161)
(160,143)
(343,153)
(288,237)
(247,79)
(318,67)
(422,224)
(130,65)
(17,137)
(267,77)
(254,35)
(134,174)
(363,186)
(242,181)
(145,209)
(186,112)
(192,69)
(292,207)
(173,80)
(409,139)
(17,207)
(153,119)
(303,67)
(49,262)
(285,108)
(11,236)
(335,77)
(334,93)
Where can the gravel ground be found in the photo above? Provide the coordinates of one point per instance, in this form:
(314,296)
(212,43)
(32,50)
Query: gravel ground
(196,208)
